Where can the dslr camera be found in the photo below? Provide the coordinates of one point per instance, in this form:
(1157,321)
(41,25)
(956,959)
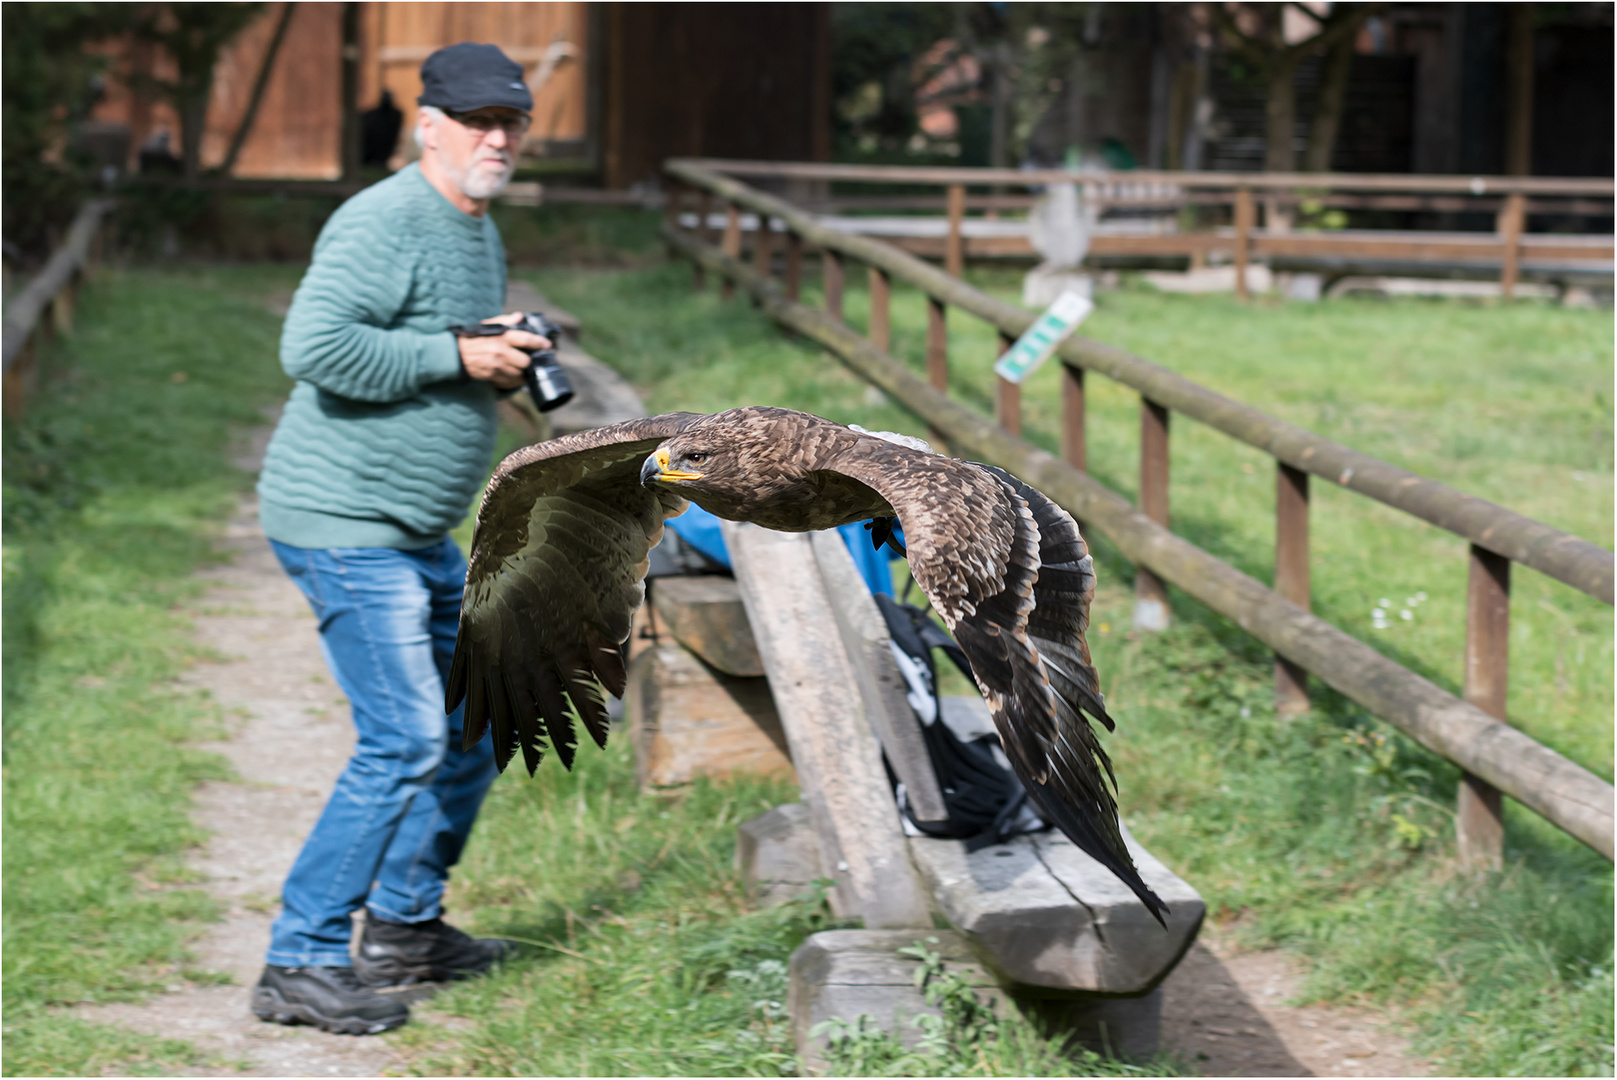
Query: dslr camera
(548,384)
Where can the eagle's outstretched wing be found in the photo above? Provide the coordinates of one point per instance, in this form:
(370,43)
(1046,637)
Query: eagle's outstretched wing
(1011,576)
(553,582)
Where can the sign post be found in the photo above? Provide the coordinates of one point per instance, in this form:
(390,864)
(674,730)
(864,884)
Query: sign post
(1049,330)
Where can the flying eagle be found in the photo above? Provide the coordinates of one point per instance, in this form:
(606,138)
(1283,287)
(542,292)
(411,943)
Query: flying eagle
(560,553)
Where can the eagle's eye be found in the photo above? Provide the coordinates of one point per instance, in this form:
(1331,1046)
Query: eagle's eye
(696,458)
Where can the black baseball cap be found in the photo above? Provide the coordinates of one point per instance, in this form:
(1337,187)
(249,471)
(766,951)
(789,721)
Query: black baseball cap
(464,77)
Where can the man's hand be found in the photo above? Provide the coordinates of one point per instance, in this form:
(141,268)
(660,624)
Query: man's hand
(498,359)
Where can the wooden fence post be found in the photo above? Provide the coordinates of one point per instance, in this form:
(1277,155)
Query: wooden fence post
(881,314)
(1150,594)
(732,244)
(704,207)
(1291,576)
(62,307)
(1073,450)
(794,264)
(954,258)
(1244,215)
(1478,822)
(762,251)
(831,282)
(1512,221)
(937,353)
(17,378)
(671,204)
(1008,402)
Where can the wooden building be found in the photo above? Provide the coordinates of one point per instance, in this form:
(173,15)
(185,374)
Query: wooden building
(617,86)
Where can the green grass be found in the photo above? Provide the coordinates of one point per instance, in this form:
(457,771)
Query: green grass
(1329,834)
(114,483)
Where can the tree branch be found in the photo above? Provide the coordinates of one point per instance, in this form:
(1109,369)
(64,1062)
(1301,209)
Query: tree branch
(245,128)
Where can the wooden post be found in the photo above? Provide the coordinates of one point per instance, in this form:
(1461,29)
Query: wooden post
(61,311)
(762,251)
(1008,402)
(732,244)
(1244,215)
(937,354)
(17,378)
(794,265)
(881,299)
(1150,594)
(1479,824)
(704,207)
(954,260)
(671,204)
(1073,451)
(937,344)
(1291,576)
(831,282)
(1511,221)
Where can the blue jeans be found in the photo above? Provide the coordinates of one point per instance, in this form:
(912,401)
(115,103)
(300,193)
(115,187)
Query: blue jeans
(404,805)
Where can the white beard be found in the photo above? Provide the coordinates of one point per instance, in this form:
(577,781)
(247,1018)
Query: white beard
(481,183)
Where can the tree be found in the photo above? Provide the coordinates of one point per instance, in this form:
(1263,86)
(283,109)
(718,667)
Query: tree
(1257,33)
(50,81)
(193,35)
(875,48)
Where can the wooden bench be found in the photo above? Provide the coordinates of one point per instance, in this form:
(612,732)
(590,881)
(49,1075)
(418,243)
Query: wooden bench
(1057,932)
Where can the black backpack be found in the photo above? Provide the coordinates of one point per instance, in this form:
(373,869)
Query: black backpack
(984,799)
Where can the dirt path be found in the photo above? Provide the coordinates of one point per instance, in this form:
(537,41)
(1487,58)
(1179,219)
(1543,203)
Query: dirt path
(1225,1013)
(291,738)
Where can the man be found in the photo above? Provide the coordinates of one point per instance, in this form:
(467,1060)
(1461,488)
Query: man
(387,437)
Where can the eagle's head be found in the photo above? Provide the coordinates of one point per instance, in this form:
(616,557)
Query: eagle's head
(746,464)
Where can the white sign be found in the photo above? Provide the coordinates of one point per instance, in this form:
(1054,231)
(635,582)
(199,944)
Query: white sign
(1049,330)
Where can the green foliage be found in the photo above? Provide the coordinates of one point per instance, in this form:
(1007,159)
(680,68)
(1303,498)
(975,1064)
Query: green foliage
(113,484)
(192,35)
(874,46)
(49,78)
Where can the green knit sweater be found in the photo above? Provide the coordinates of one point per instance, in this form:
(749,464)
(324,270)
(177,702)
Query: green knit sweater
(384,442)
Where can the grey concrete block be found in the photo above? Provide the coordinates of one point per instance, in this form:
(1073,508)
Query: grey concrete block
(778,854)
(1052,919)
(847,974)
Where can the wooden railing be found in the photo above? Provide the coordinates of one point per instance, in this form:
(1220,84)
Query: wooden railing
(1509,198)
(1471,733)
(54,290)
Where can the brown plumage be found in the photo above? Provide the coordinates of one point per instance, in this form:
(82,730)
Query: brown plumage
(560,552)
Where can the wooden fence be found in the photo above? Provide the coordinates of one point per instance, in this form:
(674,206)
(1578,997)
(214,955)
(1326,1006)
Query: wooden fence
(1470,732)
(1508,252)
(54,290)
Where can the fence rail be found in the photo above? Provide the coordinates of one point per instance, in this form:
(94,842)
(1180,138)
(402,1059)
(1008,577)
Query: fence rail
(1510,251)
(1495,756)
(54,289)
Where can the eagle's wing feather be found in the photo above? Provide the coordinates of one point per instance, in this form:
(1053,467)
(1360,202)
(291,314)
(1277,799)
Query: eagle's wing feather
(553,581)
(1011,576)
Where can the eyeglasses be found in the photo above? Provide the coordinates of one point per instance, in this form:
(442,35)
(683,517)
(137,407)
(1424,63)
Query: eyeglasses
(483,123)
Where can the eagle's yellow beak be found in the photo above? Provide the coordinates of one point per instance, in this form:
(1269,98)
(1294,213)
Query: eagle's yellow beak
(656,468)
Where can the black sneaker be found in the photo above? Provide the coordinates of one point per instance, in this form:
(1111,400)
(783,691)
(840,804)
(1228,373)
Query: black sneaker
(331,998)
(398,954)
